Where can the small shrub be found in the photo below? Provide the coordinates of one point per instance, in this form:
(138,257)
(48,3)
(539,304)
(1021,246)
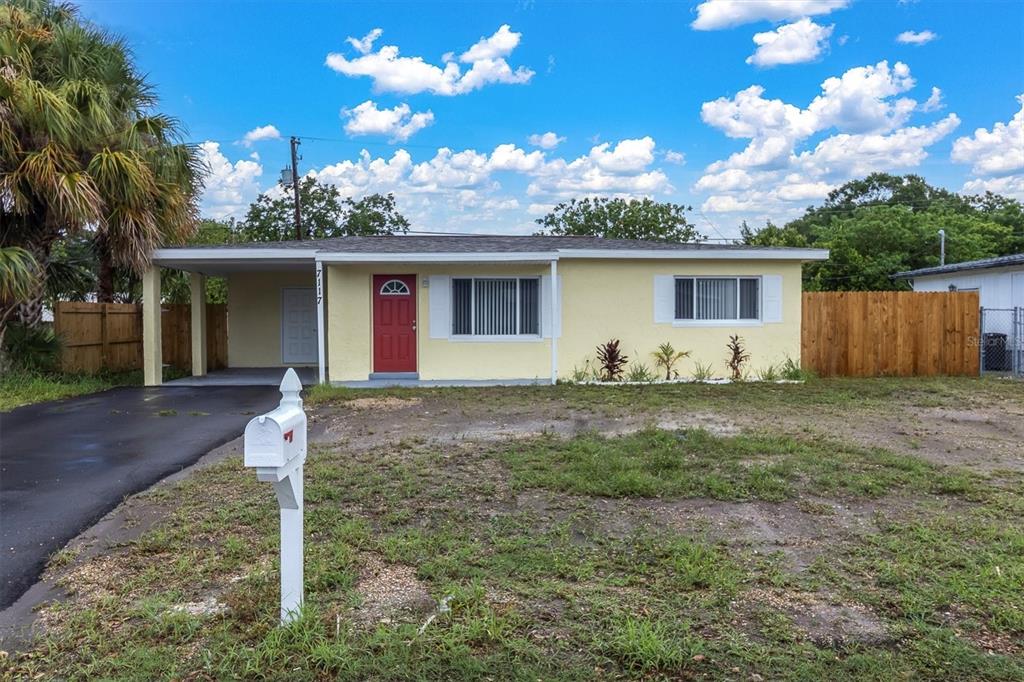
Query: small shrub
(769,373)
(702,372)
(612,360)
(738,357)
(585,373)
(36,349)
(791,371)
(666,358)
(640,373)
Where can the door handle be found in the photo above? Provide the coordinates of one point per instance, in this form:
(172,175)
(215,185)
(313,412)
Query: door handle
(414,325)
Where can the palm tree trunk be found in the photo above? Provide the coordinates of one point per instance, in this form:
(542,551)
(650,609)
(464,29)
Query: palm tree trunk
(30,311)
(105,276)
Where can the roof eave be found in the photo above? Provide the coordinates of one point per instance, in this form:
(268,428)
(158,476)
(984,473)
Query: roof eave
(171,256)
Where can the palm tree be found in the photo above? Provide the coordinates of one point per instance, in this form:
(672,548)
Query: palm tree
(81,150)
(18,274)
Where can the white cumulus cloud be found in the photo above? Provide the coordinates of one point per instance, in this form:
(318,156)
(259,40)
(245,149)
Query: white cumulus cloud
(229,187)
(496,46)
(674,157)
(628,156)
(916,37)
(934,101)
(392,72)
(864,112)
(996,152)
(795,43)
(258,134)
(398,123)
(718,14)
(365,44)
(548,140)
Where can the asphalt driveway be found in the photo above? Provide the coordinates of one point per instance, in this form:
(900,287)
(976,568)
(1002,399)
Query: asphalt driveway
(64,464)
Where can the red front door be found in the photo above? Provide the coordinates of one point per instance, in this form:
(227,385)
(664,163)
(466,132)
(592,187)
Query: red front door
(394,323)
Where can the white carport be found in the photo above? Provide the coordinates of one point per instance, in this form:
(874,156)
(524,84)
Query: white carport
(203,262)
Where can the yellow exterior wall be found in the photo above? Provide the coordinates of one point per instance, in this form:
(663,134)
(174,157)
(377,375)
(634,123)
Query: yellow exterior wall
(254,314)
(615,299)
(350,333)
(601,299)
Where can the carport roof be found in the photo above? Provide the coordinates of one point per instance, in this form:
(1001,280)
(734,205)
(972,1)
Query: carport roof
(435,248)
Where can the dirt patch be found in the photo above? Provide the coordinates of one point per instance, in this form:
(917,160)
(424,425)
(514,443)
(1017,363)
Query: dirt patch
(385,403)
(801,530)
(819,617)
(983,438)
(388,592)
(366,423)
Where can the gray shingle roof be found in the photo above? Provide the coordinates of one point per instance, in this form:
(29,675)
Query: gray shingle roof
(998,262)
(478,244)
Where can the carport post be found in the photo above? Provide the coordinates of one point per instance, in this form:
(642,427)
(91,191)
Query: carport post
(152,348)
(197,286)
(556,315)
(321,333)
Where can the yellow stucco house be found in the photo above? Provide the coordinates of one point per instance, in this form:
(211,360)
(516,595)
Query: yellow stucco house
(464,309)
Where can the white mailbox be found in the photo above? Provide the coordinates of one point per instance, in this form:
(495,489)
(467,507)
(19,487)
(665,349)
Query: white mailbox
(275,445)
(274,439)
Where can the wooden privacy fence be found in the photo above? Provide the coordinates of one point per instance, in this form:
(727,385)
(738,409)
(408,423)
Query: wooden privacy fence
(108,336)
(890,333)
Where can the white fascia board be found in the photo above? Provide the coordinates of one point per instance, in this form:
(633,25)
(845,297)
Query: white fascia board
(201,254)
(448,257)
(698,254)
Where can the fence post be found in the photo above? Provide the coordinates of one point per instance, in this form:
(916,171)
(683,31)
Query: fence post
(1014,352)
(981,341)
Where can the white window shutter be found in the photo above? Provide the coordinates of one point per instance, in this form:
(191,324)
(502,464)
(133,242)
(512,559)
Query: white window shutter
(545,307)
(664,299)
(771,298)
(440,306)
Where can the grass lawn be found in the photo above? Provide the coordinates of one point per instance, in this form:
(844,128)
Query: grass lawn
(768,550)
(21,387)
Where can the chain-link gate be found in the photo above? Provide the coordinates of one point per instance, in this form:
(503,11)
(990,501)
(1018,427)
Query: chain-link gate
(1002,340)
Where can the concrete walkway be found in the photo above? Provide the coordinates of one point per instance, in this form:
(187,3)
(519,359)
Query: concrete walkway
(247,376)
(65,464)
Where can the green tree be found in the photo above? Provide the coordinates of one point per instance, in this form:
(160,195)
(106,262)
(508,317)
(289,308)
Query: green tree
(81,147)
(620,219)
(883,224)
(771,235)
(325,214)
(874,242)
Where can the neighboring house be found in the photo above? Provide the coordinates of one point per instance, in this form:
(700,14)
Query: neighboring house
(998,281)
(464,308)
(1000,286)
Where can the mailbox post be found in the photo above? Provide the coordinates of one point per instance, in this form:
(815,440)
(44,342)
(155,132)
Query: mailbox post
(275,445)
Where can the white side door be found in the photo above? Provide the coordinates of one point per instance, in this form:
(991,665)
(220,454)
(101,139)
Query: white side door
(298,326)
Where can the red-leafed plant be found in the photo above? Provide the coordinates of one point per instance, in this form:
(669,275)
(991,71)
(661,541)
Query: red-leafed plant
(612,360)
(738,357)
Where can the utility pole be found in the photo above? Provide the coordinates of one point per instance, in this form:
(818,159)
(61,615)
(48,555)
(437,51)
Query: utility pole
(295,186)
(942,247)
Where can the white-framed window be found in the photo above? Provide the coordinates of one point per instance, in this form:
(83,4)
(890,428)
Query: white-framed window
(717,298)
(495,306)
(394,287)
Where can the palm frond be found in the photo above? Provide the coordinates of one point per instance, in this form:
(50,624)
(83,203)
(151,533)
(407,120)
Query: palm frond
(18,273)
(123,178)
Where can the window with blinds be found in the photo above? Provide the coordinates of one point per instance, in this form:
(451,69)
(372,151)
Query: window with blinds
(495,306)
(718,298)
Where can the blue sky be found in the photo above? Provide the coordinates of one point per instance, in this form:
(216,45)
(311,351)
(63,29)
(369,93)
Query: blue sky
(745,110)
